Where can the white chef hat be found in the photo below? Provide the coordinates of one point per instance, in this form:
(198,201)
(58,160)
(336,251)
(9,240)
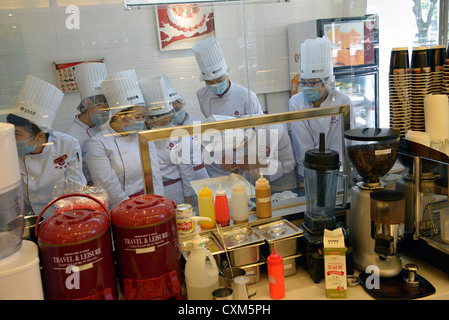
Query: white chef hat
(156,96)
(122,90)
(172,92)
(210,58)
(38,102)
(316,59)
(88,77)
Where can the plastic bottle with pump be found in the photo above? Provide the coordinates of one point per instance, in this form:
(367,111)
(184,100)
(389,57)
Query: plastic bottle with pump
(263,197)
(222,208)
(201,271)
(275,265)
(239,203)
(206,207)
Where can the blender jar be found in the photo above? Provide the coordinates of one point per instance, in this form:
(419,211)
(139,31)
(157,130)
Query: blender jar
(321,171)
(11,198)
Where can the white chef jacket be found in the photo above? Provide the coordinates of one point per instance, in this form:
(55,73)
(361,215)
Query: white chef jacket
(114,164)
(83,133)
(233,103)
(47,174)
(306,133)
(196,151)
(176,176)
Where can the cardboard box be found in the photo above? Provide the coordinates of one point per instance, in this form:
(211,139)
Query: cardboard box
(335,263)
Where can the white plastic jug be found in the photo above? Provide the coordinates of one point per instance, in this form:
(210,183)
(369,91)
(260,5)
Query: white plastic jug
(201,271)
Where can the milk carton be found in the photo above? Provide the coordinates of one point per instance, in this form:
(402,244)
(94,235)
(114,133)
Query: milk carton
(335,263)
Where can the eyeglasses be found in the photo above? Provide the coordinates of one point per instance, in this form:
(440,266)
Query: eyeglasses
(308,84)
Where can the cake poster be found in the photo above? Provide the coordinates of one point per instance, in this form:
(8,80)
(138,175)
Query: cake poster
(181,26)
(66,79)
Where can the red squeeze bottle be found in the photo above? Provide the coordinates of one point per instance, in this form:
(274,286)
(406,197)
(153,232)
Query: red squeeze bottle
(222,215)
(276,275)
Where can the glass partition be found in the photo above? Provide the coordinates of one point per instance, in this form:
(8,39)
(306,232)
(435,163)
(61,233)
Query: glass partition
(229,144)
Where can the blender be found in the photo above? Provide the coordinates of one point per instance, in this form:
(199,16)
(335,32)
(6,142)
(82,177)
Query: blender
(20,276)
(321,168)
(372,152)
(321,175)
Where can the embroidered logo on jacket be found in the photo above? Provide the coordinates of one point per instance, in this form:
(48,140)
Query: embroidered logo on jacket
(61,163)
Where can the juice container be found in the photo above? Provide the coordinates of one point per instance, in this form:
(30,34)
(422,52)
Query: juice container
(206,207)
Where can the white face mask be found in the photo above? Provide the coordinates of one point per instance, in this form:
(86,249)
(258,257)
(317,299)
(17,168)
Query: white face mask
(218,88)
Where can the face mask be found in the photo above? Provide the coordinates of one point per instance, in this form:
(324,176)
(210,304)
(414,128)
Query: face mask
(311,94)
(218,88)
(179,116)
(23,148)
(100,118)
(135,126)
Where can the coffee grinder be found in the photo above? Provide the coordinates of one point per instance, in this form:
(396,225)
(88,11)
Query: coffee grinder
(321,175)
(372,152)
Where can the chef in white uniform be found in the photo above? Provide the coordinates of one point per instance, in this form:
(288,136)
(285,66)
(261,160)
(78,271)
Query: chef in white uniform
(174,154)
(182,117)
(113,155)
(317,86)
(49,160)
(221,96)
(93,107)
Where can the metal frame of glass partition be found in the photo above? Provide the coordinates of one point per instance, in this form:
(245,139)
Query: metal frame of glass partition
(239,123)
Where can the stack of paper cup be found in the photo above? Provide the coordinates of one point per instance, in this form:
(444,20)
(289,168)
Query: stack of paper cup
(436,110)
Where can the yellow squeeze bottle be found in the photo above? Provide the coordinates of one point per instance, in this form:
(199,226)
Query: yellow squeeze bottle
(206,207)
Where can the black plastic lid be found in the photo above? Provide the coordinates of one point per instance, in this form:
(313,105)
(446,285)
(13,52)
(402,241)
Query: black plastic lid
(322,159)
(387,195)
(372,134)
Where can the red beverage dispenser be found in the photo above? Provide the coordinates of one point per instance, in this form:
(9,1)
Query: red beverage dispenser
(76,253)
(147,248)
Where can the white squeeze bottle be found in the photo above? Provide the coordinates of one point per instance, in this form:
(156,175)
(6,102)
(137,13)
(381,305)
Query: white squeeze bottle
(201,271)
(239,203)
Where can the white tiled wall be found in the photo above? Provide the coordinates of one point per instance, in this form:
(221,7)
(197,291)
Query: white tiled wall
(128,40)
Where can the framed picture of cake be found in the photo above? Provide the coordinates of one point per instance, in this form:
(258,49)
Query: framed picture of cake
(181,26)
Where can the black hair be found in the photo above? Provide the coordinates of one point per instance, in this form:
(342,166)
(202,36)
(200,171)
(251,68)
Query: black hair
(22,122)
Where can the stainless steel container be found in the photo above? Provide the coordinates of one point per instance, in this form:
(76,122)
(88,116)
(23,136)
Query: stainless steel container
(282,236)
(290,265)
(212,244)
(253,268)
(243,245)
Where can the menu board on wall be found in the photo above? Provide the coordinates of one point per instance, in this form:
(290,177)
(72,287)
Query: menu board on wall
(66,79)
(181,26)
